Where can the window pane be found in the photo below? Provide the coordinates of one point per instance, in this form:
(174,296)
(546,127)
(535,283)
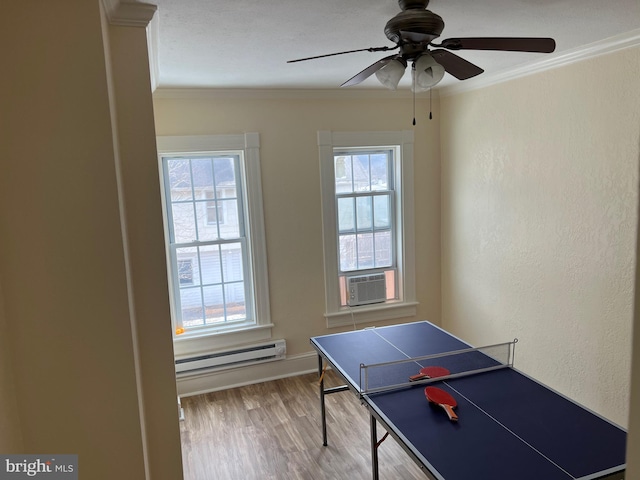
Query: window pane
(184,228)
(228,219)
(188,272)
(381,211)
(214,303)
(383,249)
(210,264)
(202,176)
(236,305)
(225,174)
(365,251)
(185,272)
(207,229)
(363,209)
(361,181)
(347,253)
(379,171)
(191,307)
(346,221)
(343,174)
(232,268)
(179,179)
(213,215)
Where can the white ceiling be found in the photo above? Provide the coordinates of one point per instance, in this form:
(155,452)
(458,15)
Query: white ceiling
(246,43)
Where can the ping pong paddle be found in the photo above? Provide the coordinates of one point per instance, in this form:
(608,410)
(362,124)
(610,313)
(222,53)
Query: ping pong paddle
(443,399)
(430,372)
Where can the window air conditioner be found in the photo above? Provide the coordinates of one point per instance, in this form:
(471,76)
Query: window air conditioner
(366,289)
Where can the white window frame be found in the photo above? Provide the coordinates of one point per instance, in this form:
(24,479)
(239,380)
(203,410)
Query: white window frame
(227,335)
(405,305)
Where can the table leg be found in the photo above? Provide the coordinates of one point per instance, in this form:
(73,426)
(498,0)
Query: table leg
(374,447)
(322,406)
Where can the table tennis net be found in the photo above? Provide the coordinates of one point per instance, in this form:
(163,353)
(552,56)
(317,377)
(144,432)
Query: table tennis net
(380,377)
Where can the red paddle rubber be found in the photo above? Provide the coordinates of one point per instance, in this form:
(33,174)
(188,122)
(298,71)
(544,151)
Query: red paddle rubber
(442,399)
(430,372)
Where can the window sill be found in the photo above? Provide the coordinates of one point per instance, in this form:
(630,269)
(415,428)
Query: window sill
(368,313)
(213,340)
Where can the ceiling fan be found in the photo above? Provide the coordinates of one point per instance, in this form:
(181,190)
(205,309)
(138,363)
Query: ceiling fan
(413,30)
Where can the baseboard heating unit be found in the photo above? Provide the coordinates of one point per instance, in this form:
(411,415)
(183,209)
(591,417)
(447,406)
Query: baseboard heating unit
(264,352)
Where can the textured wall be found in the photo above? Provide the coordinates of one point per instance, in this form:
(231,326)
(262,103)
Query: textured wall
(539,196)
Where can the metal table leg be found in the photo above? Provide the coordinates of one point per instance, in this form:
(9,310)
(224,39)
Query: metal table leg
(374,447)
(322,406)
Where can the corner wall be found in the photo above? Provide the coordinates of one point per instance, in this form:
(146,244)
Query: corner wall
(539,209)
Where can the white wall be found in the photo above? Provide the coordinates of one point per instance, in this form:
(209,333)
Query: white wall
(539,209)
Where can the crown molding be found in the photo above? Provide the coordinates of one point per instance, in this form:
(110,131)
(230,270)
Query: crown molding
(287,94)
(129,13)
(153,34)
(608,45)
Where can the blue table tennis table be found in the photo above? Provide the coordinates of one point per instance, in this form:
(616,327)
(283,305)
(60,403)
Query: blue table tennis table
(510,426)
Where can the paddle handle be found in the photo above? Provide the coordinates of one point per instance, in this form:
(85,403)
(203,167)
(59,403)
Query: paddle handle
(450,413)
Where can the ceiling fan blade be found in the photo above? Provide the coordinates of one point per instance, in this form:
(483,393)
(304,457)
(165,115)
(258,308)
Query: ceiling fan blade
(371,49)
(455,65)
(512,44)
(367,72)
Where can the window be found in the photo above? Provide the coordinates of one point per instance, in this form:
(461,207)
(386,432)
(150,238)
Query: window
(216,255)
(364,190)
(367,207)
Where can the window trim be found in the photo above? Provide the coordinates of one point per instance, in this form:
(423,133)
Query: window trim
(405,226)
(249,143)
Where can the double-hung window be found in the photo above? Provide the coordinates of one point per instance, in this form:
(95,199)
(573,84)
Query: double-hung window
(215,240)
(367,205)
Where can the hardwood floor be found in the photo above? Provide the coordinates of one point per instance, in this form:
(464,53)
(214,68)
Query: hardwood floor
(272,431)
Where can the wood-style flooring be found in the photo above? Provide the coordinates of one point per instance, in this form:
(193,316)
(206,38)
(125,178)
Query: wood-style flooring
(272,431)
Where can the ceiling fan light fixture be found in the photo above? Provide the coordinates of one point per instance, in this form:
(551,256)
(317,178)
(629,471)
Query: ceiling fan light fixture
(426,73)
(390,75)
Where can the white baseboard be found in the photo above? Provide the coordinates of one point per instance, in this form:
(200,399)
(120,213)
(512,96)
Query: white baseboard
(216,380)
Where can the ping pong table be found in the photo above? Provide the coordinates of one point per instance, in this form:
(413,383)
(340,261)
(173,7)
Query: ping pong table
(510,426)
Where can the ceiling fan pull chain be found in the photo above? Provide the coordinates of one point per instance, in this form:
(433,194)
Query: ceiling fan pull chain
(430,116)
(413,80)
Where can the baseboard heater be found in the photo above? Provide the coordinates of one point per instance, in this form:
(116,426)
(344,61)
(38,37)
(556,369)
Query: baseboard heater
(265,352)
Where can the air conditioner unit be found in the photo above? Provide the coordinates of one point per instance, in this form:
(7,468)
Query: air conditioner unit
(266,352)
(366,289)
